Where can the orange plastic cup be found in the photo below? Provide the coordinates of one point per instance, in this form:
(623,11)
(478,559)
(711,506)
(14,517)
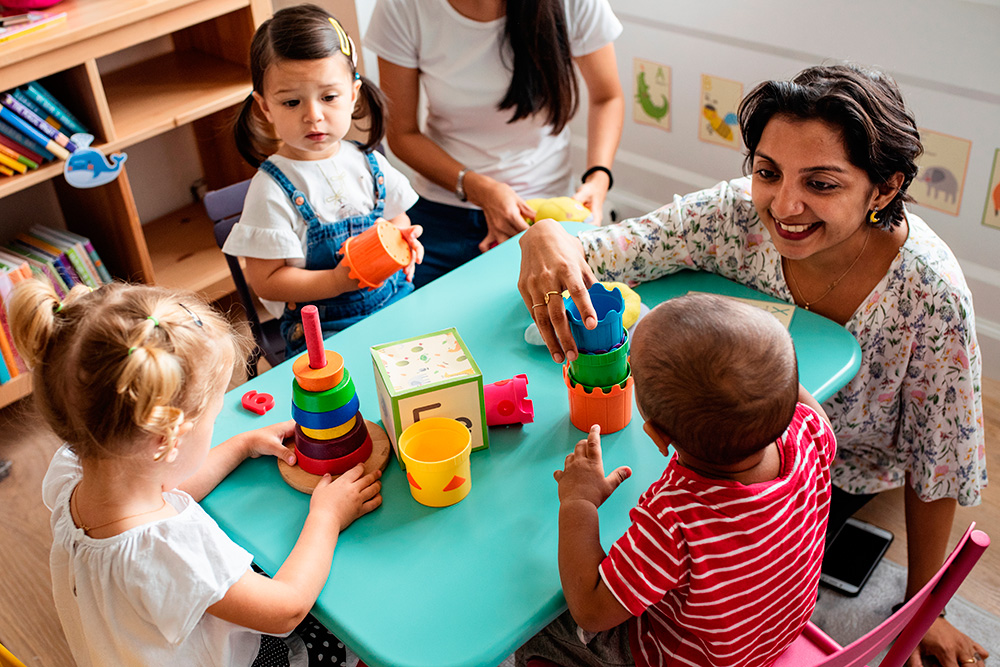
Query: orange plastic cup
(589,406)
(376,253)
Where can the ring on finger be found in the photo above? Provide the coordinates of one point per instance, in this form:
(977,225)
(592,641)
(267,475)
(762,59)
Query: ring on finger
(970,661)
(537,305)
(549,294)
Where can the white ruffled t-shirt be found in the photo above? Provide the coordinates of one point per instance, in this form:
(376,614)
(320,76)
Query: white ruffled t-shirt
(139,598)
(464,77)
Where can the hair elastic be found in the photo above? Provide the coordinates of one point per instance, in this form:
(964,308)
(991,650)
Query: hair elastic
(193,316)
(130,351)
(58,309)
(156,322)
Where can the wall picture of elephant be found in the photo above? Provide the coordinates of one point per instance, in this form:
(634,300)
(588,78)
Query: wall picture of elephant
(941,178)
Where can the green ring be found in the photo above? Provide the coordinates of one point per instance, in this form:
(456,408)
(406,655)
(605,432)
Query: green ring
(324,401)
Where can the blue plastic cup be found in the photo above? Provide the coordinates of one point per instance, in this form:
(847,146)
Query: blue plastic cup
(607,335)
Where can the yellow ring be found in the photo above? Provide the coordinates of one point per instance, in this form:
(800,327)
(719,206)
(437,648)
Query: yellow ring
(329,433)
(537,305)
(549,294)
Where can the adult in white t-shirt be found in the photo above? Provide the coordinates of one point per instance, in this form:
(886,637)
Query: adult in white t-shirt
(499,88)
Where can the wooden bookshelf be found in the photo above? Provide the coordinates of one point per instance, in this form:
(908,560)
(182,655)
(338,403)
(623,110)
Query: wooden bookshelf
(198,82)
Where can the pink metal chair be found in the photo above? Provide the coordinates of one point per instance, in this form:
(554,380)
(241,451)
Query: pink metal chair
(903,630)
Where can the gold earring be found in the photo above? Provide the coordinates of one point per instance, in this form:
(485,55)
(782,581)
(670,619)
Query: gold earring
(872,217)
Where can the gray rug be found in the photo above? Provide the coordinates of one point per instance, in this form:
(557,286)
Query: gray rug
(845,618)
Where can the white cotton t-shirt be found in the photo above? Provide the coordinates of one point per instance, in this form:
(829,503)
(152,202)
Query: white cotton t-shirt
(463,78)
(337,188)
(139,598)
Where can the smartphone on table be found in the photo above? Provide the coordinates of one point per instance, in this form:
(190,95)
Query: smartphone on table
(852,557)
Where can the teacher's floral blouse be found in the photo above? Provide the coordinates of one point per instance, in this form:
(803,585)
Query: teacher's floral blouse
(916,404)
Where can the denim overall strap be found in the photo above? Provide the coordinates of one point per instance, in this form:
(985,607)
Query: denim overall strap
(298,199)
(378,178)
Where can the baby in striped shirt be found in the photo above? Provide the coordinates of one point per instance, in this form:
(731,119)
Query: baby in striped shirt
(722,561)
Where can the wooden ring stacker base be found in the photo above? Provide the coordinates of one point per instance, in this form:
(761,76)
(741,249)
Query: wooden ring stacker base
(300,480)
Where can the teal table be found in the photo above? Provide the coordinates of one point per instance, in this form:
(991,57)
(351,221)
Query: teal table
(463,586)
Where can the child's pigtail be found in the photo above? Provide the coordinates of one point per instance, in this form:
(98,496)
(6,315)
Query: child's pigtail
(372,105)
(151,378)
(34,311)
(245,133)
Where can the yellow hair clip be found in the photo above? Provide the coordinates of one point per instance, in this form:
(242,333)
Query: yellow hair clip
(346,46)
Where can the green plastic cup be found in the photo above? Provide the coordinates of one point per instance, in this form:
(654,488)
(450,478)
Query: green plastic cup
(601,370)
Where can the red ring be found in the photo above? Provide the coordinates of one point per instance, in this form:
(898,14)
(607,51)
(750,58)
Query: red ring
(335,466)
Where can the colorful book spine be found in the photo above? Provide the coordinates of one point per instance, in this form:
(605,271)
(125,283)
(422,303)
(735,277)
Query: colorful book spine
(4,371)
(43,267)
(53,254)
(12,163)
(44,99)
(23,98)
(26,152)
(6,286)
(89,247)
(39,124)
(21,138)
(19,123)
(16,267)
(77,256)
(14,155)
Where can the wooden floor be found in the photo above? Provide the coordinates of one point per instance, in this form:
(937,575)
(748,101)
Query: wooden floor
(30,629)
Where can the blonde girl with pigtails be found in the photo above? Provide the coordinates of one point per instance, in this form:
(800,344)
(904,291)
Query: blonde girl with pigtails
(131,378)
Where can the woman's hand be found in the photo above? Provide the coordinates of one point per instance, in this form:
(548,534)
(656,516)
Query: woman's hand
(552,260)
(949,646)
(592,195)
(504,210)
(410,234)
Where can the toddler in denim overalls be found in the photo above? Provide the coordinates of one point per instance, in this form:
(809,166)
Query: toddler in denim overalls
(323,241)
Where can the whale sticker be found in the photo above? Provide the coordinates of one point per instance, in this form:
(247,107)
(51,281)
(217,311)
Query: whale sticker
(88,167)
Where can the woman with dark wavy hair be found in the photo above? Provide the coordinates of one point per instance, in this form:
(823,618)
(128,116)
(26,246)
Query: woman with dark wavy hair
(821,223)
(500,88)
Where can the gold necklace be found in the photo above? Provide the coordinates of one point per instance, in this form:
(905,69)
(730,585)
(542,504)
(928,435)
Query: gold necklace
(75,510)
(806,304)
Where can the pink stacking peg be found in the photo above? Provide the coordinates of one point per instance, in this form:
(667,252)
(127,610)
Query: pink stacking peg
(314,337)
(507,402)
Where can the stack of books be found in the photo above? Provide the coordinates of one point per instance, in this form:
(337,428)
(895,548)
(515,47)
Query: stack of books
(34,128)
(59,257)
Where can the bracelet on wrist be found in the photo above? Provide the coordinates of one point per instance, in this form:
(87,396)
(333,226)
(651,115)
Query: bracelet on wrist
(594,169)
(460,185)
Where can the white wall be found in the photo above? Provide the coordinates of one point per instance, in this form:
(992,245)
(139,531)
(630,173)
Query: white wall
(943,53)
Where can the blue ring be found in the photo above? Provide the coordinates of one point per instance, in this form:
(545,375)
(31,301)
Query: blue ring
(329,419)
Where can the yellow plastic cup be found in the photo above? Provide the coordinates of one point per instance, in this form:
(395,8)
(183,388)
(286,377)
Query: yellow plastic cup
(436,452)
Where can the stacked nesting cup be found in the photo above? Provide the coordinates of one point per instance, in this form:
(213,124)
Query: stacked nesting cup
(600,378)
(330,434)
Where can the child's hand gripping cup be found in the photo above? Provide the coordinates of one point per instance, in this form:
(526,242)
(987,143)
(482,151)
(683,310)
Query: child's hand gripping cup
(608,334)
(376,253)
(436,453)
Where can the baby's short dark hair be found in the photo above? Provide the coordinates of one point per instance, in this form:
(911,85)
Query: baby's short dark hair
(717,375)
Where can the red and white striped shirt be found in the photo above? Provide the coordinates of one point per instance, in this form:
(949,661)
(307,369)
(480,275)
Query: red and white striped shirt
(723,574)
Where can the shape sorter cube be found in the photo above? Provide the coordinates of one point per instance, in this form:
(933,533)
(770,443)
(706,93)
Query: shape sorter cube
(432,375)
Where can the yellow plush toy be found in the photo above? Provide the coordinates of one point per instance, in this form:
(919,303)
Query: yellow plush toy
(559,208)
